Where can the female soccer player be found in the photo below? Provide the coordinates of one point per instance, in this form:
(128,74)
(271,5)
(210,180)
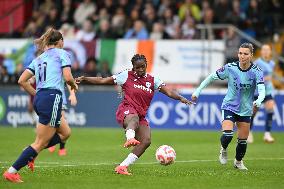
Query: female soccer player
(138,88)
(73,100)
(237,107)
(267,65)
(51,68)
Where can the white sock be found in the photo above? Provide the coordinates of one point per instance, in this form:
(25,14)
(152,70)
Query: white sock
(12,170)
(131,158)
(130,133)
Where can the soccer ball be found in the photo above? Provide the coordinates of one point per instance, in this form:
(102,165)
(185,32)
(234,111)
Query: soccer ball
(165,155)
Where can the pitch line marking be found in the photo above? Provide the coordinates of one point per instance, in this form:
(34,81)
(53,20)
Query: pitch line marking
(58,164)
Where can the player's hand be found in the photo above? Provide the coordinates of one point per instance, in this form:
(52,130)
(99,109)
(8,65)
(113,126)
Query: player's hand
(79,79)
(185,101)
(254,110)
(194,98)
(74,87)
(73,100)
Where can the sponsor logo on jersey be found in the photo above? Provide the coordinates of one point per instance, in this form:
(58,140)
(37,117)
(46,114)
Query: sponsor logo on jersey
(143,88)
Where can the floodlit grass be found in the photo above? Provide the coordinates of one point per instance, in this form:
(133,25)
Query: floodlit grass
(94,153)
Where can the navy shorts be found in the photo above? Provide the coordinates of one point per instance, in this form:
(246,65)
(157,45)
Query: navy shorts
(48,106)
(267,97)
(228,115)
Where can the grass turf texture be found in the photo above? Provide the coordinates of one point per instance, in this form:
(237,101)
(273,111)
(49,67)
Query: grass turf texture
(94,153)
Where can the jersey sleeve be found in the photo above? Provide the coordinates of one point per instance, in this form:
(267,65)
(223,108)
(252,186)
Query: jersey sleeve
(31,67)
(259,76)
(120,78)
(158,83)
(222,73)
(65,59)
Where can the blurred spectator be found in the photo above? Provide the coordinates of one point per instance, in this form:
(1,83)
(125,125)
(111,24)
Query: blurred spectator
(67,12)
(189,30)
(105,71)
(87,33)
(137,32)
(109,6)
(232,41)
(189,9)
(208,19)
(91,68)
(236,15)
(68,31)
(32,30)
(51,20)
(222,10)
(46,6)
(254,17)
(76,70)
(83,11)
(149,16)
(4,76)
(158,32)
(171,23)
(104,31)
(118,23)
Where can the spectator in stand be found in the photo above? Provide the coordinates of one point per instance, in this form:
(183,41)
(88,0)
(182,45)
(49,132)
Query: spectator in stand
(91,68)
(67,12)
(32,30)
(134,16)
(84,10)
(118,23)
(51,20)
(171,23)
(149,16)
(158,32)
(46,6)
(104,31)
(137,32)
(87,33)
(208,19)
(254,17)
(222,10)
(109,6)
(236,15)
(68,31)
(189,8)
(189,30)
(232,41)
(163,6)
(105,71)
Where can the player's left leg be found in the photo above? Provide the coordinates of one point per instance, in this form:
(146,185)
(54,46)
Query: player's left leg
(65,131)
(269,105)
(143,134)
(243,132)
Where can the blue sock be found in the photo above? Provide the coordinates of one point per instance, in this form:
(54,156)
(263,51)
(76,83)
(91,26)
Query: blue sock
(241,149)
(27,155)
(54,140)
(268,122)
(226,138)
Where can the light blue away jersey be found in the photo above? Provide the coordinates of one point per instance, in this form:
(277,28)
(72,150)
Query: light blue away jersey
(48,69)
(267,68)
(241,87)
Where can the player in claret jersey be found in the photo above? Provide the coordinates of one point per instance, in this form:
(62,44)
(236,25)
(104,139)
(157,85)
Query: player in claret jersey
(138,88)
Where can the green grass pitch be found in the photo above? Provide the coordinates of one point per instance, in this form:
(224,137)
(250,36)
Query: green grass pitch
(94,153)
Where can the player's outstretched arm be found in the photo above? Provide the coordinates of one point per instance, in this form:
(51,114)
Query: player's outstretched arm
(96,80)
(72,96)
(212,77)
(261,95)
(68,77)
(174,95)
(24,82)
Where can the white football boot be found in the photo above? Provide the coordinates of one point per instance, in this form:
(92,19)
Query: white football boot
(239,165)
(268,138)
(223,157)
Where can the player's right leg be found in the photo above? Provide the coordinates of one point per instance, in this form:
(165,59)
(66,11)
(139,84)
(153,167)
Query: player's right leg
(227,136)
(130,124)
(143,134)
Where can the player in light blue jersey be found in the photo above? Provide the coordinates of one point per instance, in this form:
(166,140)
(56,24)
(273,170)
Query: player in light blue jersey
(267,65)
(51,68)
(237,107)
(73,101)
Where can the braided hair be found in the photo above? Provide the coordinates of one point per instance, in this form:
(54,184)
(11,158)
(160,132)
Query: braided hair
(138,57)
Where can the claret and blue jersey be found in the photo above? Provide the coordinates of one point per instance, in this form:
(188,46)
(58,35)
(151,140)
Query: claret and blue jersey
(241,87)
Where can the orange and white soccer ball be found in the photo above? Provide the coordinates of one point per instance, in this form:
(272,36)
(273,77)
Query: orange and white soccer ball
(165,155)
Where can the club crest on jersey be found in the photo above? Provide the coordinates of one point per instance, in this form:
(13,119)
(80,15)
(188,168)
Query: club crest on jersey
(148,84)
(126,112)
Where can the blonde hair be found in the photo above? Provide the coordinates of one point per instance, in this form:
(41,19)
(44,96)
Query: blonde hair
(50,37)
